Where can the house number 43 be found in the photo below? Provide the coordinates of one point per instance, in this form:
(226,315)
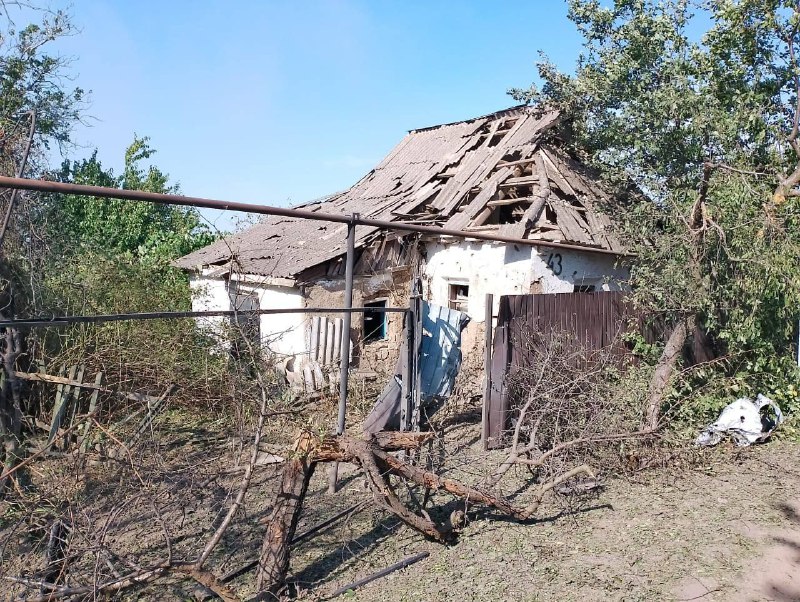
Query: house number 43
(554,263)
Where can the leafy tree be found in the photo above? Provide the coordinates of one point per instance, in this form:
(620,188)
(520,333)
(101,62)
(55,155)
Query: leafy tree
(37,109)
(147,232)
(707,128)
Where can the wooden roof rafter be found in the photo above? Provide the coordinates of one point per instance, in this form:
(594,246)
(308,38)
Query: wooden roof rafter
(460,176)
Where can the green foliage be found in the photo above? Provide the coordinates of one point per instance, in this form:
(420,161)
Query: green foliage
(150,233)
(82,255)
(32,80)
(114,256)
(703,127)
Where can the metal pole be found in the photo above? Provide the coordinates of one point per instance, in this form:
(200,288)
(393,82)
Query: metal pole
(46,321)
(416,396)
(407,384)
(187,201)
(344,371)
(487,369)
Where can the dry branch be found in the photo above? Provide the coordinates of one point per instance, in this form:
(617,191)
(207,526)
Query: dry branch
(274,558)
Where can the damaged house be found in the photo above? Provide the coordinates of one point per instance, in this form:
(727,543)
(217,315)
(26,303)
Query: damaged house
(505,173)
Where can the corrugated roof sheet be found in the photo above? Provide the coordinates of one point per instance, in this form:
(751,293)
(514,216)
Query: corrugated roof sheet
(436,174)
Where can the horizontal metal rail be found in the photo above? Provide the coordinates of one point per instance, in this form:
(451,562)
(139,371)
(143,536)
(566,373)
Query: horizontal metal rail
(187,201)
(44,321)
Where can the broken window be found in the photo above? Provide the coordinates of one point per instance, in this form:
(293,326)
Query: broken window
(375,323)
(584,288)
(458,296)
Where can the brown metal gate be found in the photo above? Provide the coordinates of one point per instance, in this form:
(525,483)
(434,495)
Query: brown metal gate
(592,321)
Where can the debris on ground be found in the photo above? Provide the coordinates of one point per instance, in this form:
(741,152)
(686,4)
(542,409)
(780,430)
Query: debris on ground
(744,421)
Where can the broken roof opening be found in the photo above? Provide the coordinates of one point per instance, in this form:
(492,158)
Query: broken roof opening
(504,174)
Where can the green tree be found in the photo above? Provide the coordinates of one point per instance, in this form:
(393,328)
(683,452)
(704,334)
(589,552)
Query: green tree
(151,233)
(37,110)
(707,128)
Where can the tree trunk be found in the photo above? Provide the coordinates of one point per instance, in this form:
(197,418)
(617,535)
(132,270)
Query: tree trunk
(273,562)
(373,457)
(10,402)
(663,374)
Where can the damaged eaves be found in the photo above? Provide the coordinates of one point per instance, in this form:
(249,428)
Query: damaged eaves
(504,172)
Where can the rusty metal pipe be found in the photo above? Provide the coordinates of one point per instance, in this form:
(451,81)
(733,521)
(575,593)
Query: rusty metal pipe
(188,201)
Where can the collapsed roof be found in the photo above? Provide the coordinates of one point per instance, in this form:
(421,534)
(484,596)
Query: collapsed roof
(498,173)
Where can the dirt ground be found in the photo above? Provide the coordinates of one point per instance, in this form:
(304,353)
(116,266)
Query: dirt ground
(729,530)
(725,528)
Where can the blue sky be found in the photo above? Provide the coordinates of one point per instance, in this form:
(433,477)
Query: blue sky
(279,102)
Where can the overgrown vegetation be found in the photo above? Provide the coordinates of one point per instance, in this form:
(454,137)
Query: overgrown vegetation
(700,133)
(114,256)
(79,255)
(700,136)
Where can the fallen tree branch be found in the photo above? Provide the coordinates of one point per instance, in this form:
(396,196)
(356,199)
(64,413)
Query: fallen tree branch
(382,573)
(273,561)
(140,577)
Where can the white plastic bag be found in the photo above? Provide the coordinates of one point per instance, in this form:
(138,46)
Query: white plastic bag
(742,421)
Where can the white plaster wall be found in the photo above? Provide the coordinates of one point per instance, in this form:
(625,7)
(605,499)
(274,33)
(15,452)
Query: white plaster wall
(576,268)
(283,334)
(209,294)
(501,269)
(485,267)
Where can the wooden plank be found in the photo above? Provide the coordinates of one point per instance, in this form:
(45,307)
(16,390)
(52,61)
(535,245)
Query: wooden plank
(527,161)
(497,411)
(87,426)
(60,405)
(487,371)
(337,340)
(308,378)
(569,223)
(329,343)
(520,181)
(460,220)
(510,201)
(74,402)
(456,187)
(314,341)
(62,381)
(319,377)
(323,340)
(554,173)
(406,362)
(532,213)
(493,131)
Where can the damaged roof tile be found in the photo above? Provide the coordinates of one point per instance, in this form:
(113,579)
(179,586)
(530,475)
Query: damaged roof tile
(480,173)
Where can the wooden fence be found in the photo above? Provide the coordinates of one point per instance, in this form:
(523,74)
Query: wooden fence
(76,406)
(525,323)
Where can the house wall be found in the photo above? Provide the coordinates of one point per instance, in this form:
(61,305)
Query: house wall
(283,334)
(209,294)
(392,286)
(485,267)
(501,269)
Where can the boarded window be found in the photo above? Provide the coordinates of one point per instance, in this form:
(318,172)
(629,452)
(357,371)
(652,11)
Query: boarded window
(375,326)
(458,297)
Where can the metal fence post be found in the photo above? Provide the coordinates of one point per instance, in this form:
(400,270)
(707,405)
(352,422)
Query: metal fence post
(487,369)
(416,373)
(344,372)
(407,384)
